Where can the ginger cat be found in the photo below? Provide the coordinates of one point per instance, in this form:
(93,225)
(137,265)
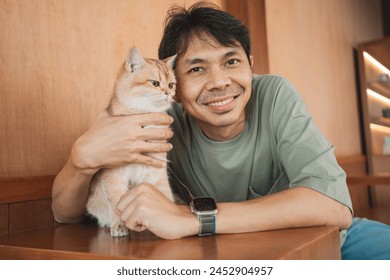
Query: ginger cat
(146,85)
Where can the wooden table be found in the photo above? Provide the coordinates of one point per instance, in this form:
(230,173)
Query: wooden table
(87,241)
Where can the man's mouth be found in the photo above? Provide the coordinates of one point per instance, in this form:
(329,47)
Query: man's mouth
(222,105)
(221,102)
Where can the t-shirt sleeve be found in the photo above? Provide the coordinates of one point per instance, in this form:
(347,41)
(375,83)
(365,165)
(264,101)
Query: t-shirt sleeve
(305,153)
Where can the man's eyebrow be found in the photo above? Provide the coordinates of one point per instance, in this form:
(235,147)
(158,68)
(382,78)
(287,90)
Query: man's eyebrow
(191,61)
(231,53)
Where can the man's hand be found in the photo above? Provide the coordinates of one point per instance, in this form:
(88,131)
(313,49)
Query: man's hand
(116,141)
(110,142)
(146,208)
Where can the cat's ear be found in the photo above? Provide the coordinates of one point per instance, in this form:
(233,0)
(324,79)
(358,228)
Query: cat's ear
(134,60)
(170,61)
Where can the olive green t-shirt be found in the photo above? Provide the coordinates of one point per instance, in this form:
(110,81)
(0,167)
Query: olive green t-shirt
(279,148)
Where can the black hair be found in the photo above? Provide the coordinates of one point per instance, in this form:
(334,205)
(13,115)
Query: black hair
(201,19)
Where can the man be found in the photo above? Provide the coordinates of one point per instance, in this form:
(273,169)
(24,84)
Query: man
(245,142)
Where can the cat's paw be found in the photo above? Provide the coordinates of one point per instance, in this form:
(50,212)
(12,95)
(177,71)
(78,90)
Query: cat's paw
(119,230)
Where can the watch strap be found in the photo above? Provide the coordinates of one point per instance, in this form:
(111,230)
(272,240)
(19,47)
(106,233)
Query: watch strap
(207,225)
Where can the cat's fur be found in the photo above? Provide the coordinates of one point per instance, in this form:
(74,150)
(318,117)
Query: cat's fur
(146,85)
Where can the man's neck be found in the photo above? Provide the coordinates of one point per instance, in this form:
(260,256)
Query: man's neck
(224,133)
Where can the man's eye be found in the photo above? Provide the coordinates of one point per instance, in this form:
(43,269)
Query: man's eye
(155,83)
(232,62)
(196,69)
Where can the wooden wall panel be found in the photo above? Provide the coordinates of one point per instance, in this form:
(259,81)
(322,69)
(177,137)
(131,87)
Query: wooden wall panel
(30,215)
(253,14)
(356,165)
(360,197)
(311,42)
(4,218)
(25,189)
(25,204)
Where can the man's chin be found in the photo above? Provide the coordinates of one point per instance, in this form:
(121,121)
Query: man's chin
(226,122)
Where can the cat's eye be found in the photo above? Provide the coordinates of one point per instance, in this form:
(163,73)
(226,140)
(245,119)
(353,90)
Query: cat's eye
(155,83)
(171,85)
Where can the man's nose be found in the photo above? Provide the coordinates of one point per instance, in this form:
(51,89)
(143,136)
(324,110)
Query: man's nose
(217,79)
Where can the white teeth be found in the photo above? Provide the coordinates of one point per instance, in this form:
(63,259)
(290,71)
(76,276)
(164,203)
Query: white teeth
(220,103)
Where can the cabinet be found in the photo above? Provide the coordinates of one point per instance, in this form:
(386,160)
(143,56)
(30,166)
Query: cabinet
(374,79)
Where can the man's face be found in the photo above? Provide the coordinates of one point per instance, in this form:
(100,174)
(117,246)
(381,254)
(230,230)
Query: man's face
(214,86)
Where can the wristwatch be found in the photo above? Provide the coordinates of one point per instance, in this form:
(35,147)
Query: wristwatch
(206,210)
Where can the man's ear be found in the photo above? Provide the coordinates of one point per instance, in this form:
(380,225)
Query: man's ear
(251,61)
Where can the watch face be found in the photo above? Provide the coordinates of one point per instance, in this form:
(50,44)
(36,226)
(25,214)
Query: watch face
(204,204)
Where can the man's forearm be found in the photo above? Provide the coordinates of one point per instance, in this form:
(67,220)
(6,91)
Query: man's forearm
(70,194)
(296,207)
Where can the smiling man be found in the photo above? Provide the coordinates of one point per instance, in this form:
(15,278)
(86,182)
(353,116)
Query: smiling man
(246,154)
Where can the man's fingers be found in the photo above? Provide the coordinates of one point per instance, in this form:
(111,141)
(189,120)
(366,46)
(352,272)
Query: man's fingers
(152,147)
(156,133)
(148,160)
(154,119)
